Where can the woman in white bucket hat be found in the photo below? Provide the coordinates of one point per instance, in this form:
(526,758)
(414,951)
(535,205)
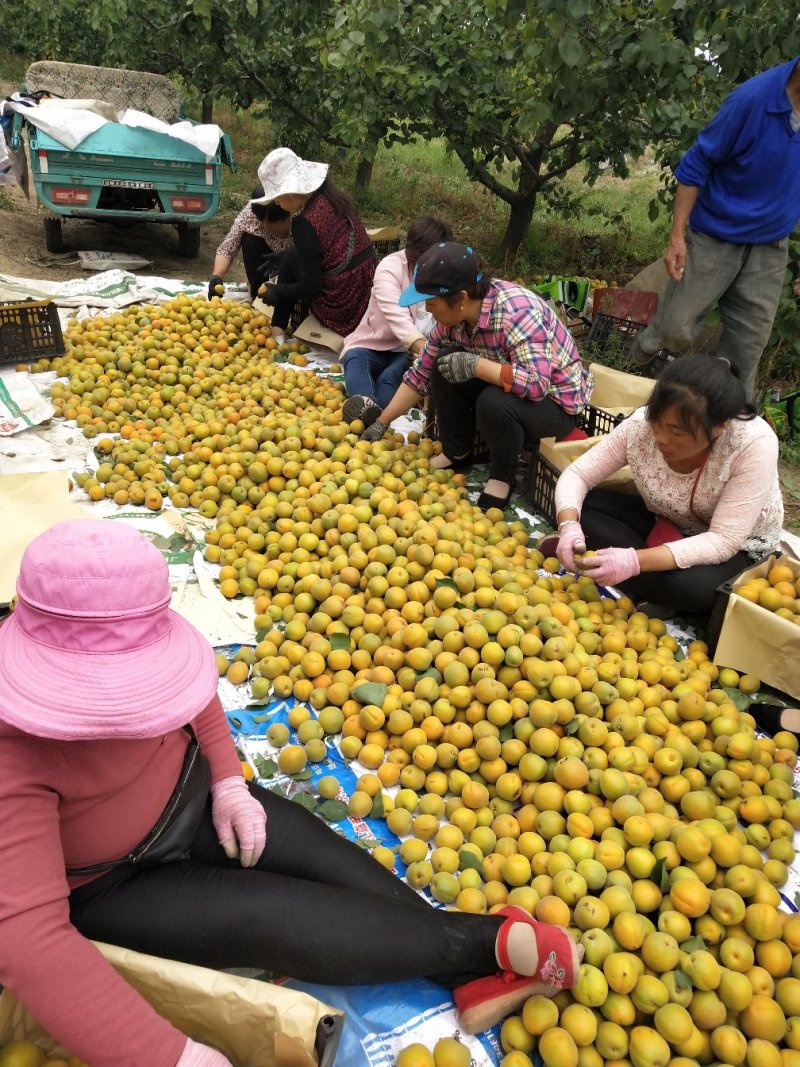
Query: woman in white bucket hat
(332,264)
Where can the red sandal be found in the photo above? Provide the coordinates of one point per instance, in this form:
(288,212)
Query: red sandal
(486,1001)
(559,957)
(483,1003)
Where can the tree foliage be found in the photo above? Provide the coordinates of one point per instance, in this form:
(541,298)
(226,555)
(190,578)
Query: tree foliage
(522,91)
(525,90)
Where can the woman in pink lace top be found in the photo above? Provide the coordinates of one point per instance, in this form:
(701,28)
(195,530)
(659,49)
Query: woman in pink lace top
(708,503)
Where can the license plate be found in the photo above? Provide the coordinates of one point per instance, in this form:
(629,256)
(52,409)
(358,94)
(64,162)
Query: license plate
(119,184)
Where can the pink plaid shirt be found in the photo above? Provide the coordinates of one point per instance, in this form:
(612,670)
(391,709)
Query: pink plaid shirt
(517,327)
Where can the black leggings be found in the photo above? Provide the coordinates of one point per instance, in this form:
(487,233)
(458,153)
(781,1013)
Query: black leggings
(507,422)
(316,907)
(621,520)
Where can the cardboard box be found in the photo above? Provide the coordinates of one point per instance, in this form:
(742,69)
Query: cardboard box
(562,453)
(756,641)
(255,1024)
(617,392)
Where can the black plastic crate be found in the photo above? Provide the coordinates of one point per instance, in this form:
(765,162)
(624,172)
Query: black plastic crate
(596,421)
(610,331)
(539,488)
(29,330)
(480,450)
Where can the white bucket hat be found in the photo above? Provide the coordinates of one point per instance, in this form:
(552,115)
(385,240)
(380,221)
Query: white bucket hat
(284,173)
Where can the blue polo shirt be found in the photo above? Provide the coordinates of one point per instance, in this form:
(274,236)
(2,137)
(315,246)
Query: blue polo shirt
(747,164)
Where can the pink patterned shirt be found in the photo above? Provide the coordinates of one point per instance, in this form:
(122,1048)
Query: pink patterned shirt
(738,497)
(516,326)
(246,222)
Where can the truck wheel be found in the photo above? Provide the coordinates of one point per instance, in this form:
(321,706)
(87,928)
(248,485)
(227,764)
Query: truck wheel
(188,240)
(53,235)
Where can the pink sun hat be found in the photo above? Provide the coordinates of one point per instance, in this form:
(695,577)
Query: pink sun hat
(93,650)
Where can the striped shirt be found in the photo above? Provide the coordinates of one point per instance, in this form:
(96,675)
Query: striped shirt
(517,327)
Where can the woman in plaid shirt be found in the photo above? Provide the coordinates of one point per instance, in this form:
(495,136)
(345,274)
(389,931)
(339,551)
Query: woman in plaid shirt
(498,357)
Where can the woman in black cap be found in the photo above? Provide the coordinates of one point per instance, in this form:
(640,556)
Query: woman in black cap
(498,357)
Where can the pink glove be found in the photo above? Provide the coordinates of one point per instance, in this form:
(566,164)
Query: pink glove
(611,565)
(195,1055)
(571,539)
(238,817)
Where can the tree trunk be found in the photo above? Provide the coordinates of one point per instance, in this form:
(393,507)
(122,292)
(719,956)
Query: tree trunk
(364,173)
(366,163)
(207,109)
(519,222)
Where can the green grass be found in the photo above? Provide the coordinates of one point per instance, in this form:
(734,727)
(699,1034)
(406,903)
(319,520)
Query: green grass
(5,202)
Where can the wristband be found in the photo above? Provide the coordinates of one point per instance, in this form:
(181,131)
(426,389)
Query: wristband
(568,522)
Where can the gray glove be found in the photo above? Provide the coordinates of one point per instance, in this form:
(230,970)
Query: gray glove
(374,432)
(457,365)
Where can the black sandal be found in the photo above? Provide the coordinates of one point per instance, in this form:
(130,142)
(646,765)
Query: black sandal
(487,501)
(774,718)
(458,466)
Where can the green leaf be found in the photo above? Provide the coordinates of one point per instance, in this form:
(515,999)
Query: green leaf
(506,732)
(333,810)
(694,944)
(370,693)
(377,807)
(260,635)
(446,583)
(682,980)
(339,641)
(306,800)
(679,654)
(572,726)
(660,875)
(302,776)
(570,50)
(429,672)
(740,700)
(267,768)
(468,861)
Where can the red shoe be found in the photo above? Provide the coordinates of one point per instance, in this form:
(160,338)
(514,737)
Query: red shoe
(559,958)
(485,1002)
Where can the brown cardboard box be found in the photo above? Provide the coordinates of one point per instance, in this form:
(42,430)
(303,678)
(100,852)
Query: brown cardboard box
(617,392)
(562,453)
(255,1024)
(756,641)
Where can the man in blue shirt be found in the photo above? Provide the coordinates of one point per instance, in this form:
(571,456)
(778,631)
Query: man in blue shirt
(738,199)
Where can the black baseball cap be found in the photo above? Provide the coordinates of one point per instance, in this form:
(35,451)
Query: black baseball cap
(445,268)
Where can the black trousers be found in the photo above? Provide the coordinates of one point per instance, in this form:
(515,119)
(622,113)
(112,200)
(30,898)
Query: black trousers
(288,273)
(253,251)
(621,520)
(316,907)
(506,422)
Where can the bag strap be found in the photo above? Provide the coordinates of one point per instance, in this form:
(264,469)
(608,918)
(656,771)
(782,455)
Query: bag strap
(348,255)
(700,470)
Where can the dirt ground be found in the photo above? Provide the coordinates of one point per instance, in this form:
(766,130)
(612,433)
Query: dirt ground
(23,252)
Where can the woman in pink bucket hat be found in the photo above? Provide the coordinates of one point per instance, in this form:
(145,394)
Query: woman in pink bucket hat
(331,266)
(125,818)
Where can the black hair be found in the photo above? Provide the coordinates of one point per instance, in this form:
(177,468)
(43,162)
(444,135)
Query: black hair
(703,391)
(271,212)
(476,291)
(422,234)
(342,202)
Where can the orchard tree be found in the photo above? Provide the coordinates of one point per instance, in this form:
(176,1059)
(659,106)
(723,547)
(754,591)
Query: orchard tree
(525,90)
